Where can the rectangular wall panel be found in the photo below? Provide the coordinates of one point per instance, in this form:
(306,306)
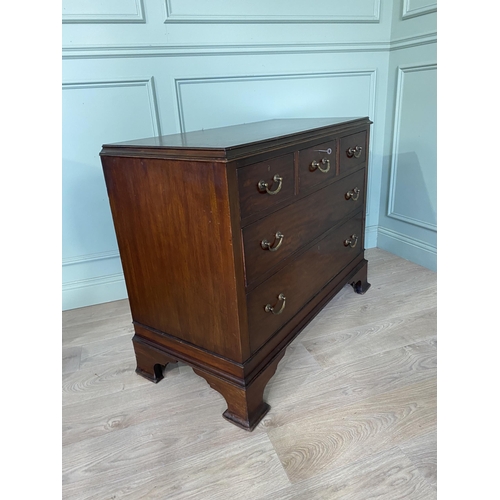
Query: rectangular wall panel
(102,11)
(277,11)
(414,8)
(210,102)
(413,184)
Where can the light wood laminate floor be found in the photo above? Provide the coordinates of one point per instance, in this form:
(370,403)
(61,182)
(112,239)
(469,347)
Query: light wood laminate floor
(353,407)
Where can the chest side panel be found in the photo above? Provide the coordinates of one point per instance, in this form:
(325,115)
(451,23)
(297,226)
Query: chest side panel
(172,221)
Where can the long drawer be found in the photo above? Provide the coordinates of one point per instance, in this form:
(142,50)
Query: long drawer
(275,301)
(268,241)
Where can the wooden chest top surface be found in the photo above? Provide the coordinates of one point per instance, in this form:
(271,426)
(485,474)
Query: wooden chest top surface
(233,141)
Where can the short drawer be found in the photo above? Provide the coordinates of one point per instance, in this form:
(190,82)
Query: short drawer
(353,150)
(317,164)
(265,184)
(280,234)
(274,302)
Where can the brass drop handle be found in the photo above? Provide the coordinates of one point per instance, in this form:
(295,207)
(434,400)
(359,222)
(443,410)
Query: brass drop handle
(270,308)
(264,186)
(278,240)
(353,195)
(351,241)
(356,152)
(317,165)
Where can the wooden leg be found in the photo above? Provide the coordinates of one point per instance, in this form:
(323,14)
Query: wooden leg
(360,280)
(245,405)
(150,361)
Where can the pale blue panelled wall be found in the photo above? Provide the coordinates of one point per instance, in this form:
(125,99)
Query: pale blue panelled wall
(138,68)
(407,224)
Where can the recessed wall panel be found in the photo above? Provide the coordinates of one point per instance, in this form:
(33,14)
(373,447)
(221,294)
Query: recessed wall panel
(95,113)
(413,185)
(413,8)
(218,102)
(102,11)
(275,11)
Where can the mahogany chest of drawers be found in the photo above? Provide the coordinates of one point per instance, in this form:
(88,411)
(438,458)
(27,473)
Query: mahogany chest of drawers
(233,239)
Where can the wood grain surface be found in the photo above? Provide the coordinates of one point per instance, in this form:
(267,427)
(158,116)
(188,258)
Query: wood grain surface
(353,412)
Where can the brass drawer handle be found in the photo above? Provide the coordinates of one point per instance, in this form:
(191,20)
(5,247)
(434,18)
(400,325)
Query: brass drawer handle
(351,241)
(317,165)
(356,152)
(270,308)
(264,186)
(353,195)
(278,237)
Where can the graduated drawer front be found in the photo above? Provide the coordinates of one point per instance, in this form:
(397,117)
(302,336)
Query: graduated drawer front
(255,198)
(301,280)
(353,149)
(292,227)
(317,164)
